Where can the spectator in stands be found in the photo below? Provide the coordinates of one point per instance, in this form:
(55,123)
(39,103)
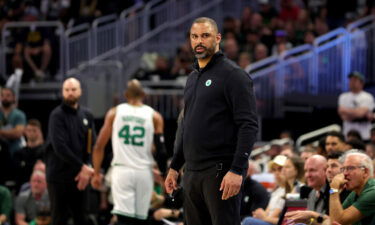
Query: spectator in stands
(12,121)
(254,195)
(317,203)
(321,148)
(356,176)
(309,37)
(29,201)
(355,107)
(289,180)
(289,11)
(268,12)
(333,165)
(372,135)
(353,134)
(231,49)
(37,54)
(34,150)
(307,152)
(260,52)
(315,174)
(370,150)
(55,10)
(320,27)
(245,20)
(244,60)
(355,144)
(281,39)
(335,141)
(162,70)
(5,205)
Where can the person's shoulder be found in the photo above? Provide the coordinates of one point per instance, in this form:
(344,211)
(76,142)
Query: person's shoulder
(18,112)
(25,194)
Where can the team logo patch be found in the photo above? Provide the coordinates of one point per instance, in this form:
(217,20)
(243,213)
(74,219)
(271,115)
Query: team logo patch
(85,122)
(208,83)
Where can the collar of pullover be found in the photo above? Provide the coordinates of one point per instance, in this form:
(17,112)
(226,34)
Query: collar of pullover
(69,109)
(214,58)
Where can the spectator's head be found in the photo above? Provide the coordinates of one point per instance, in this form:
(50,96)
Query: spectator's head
(275,148)
(260,52)
(256,21)
(335,141)
(134,91)
(356,81)
(357,169)
(8,98)
(33,133)
(39,165)
(276,166)
(280,36)
(370,150)
(244,60)
(321,26)
(307,152)
(38,183)
(293,169)
(204,38)
(309,37)
(288,152)
(353,134)
(71,92)
(229,25)
(231,49)
(333,165)
(355,144)
(315,171)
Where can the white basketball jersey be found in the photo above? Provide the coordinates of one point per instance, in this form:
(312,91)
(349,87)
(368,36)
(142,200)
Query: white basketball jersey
(132,136)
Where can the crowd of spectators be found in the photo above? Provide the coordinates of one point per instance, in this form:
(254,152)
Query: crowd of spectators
(35,49)
(265,28)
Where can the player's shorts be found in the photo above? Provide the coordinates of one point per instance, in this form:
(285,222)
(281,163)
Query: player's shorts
(131,191)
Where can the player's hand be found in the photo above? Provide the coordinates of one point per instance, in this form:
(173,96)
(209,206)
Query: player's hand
(83,177)
(171,181)
(96,181)
(230,185)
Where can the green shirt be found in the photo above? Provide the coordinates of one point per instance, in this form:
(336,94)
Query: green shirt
(5,201)
(15,117)
(365,203)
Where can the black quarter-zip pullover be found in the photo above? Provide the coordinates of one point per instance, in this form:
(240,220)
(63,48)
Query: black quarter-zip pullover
(220,120)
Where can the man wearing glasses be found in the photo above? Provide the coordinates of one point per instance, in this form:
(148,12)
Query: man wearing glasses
(359,207)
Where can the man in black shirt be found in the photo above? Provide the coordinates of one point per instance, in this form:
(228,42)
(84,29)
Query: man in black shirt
(71,136)
(218,132)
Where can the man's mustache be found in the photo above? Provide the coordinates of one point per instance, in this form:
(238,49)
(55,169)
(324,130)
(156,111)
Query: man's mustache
(201,46)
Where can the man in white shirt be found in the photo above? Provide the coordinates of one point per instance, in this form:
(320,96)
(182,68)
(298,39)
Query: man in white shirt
(355,107)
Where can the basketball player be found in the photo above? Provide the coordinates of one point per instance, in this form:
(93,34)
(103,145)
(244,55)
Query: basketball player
(134,127)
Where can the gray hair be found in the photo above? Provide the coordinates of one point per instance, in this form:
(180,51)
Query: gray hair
(365,159)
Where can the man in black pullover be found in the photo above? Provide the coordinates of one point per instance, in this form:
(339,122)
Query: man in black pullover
(71,136)
(218,132)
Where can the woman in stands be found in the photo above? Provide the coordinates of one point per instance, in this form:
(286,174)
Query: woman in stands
(289,175)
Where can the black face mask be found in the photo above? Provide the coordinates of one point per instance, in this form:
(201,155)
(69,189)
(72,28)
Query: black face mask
(6,104)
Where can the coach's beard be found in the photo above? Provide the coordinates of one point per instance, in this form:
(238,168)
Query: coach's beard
(205,54)
(70,102)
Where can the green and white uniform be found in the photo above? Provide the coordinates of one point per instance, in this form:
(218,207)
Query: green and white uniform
(132,181)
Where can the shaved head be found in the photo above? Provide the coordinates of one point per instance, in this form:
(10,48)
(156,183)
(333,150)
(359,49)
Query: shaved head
(71,91)
(134,90)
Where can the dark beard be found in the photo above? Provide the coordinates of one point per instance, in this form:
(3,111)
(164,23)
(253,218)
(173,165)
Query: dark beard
(6,104)
(209,52)
(70,102)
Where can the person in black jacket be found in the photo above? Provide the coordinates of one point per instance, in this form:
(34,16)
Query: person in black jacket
(71,136)
(218,132)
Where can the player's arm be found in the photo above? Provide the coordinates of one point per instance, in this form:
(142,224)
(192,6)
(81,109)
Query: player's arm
(161,153)
(101,142)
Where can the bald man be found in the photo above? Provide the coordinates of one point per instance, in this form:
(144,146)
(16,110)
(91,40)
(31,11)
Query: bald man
(71,134)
